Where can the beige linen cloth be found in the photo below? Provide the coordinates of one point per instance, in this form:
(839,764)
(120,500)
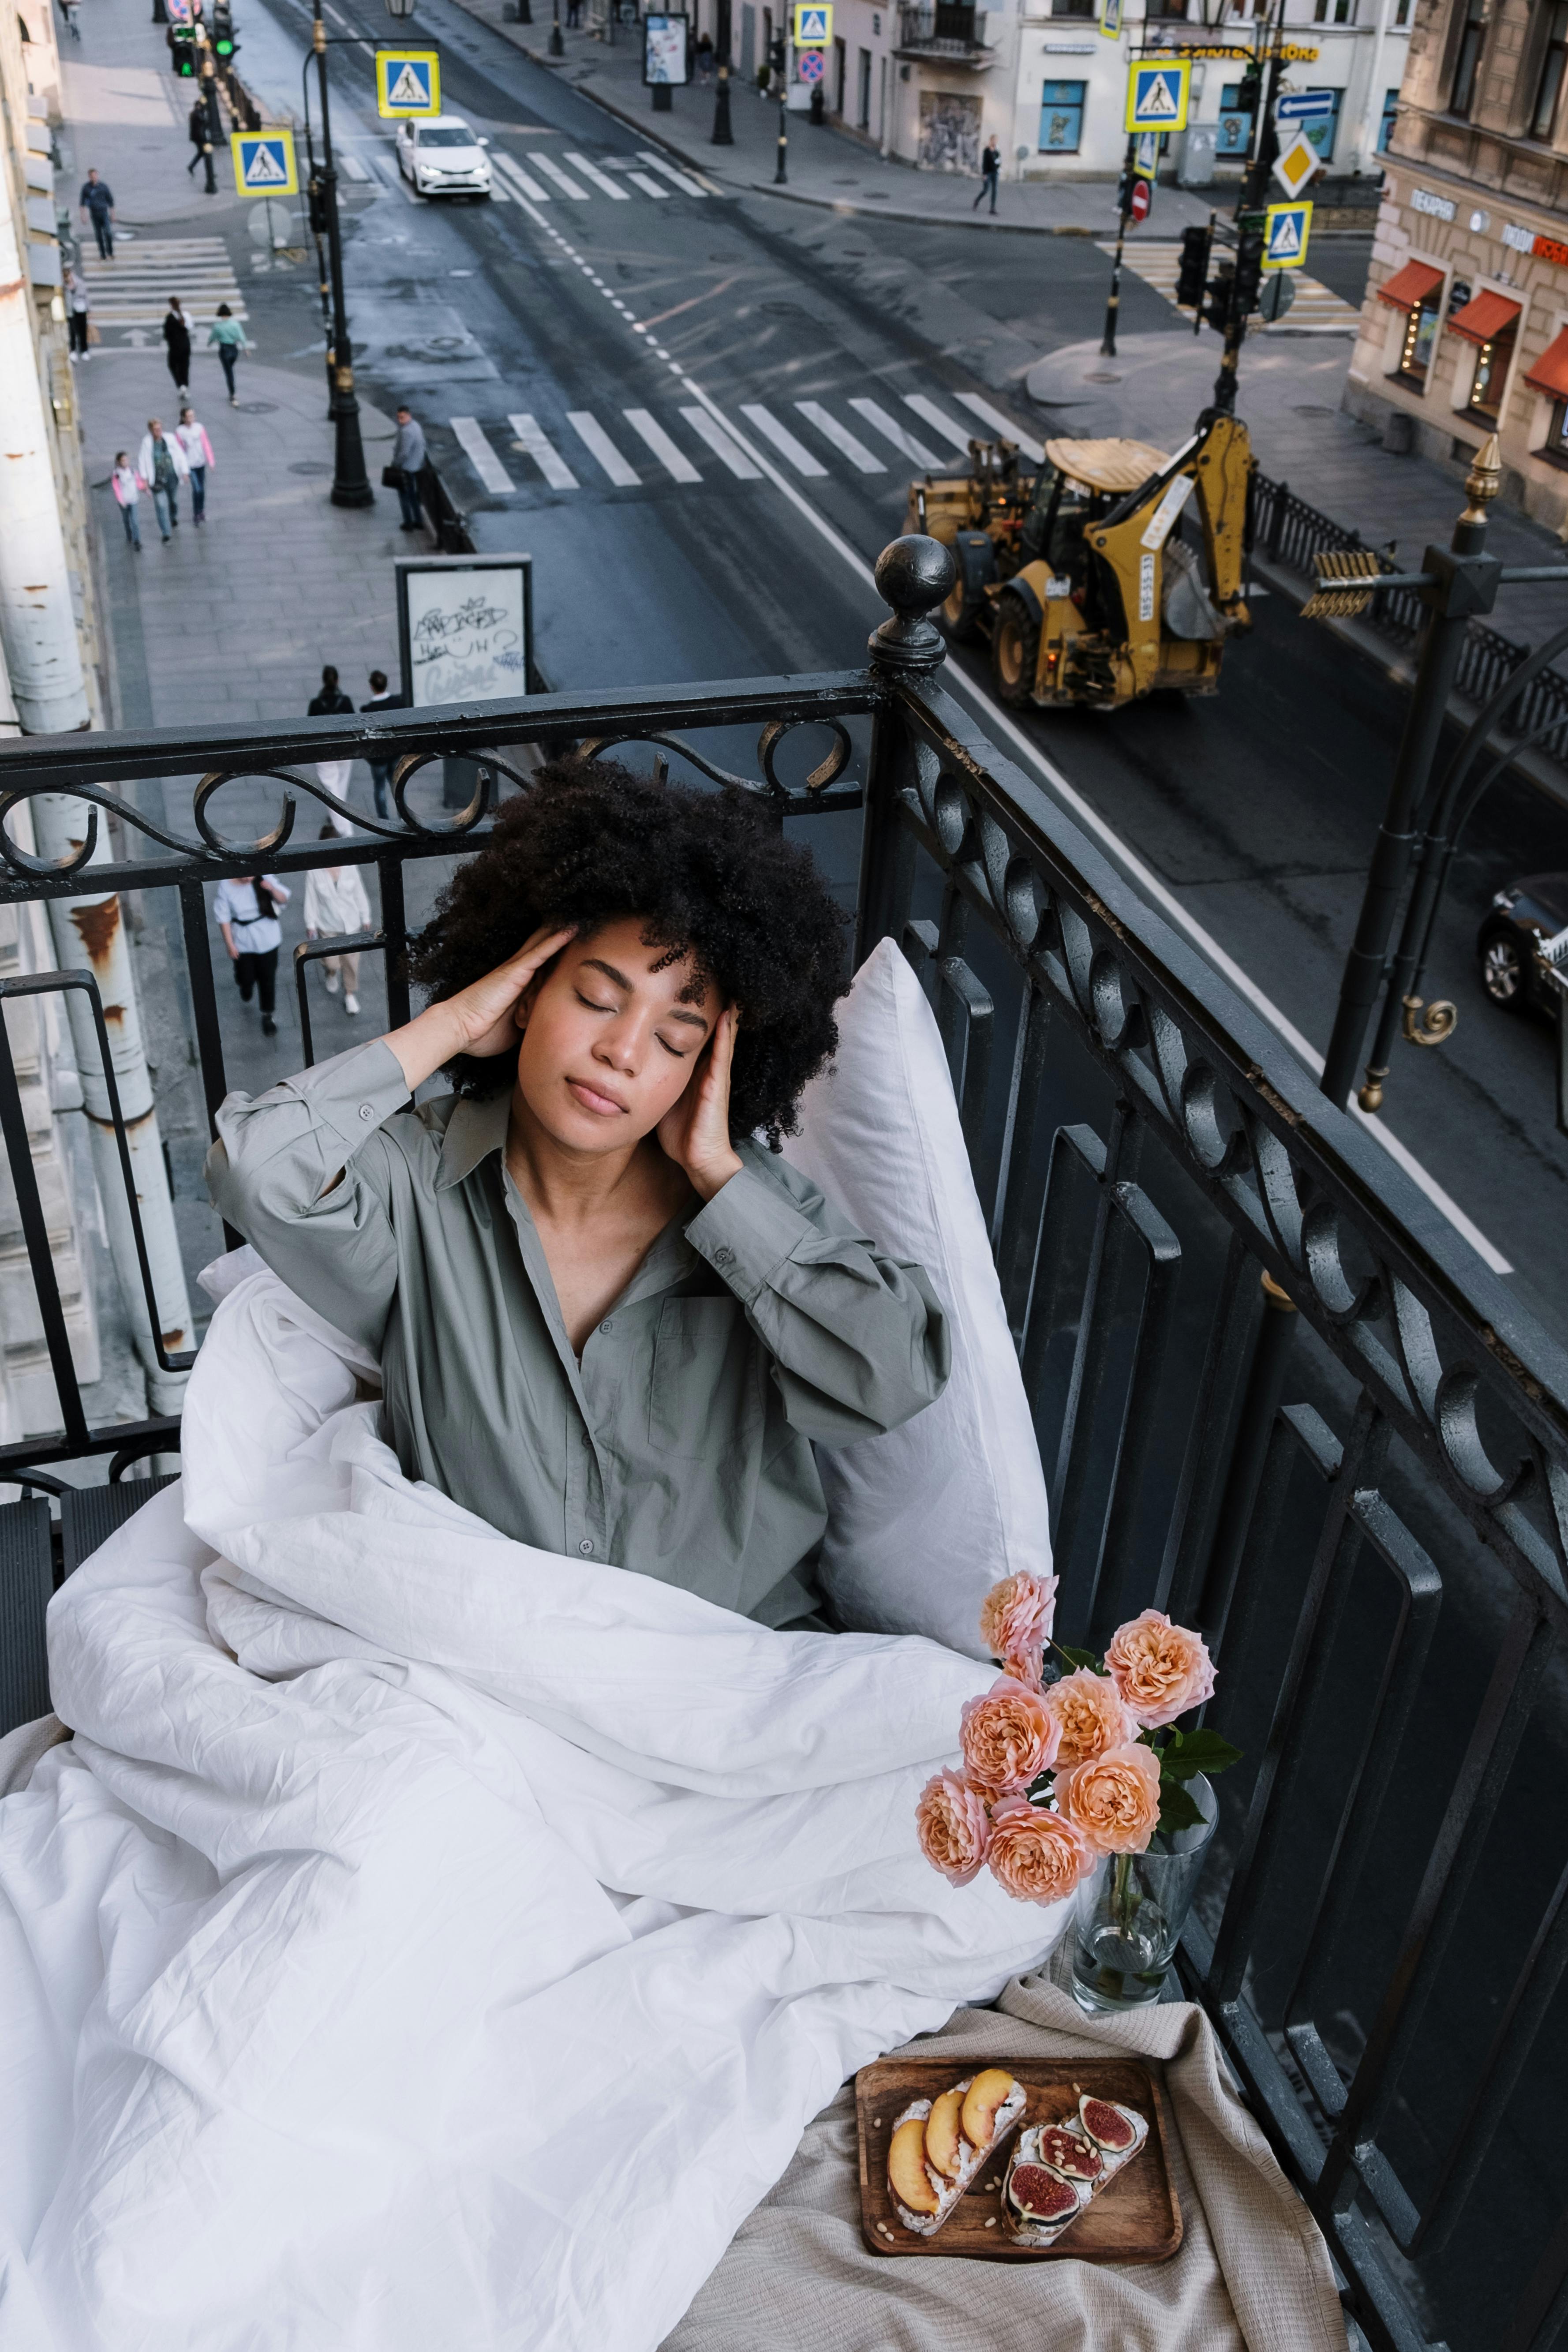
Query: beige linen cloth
(1251,2273)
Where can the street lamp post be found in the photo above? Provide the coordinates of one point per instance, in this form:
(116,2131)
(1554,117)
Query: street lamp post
(351,485)
(722,135)
(1124,205)
(557,45)
(781,170)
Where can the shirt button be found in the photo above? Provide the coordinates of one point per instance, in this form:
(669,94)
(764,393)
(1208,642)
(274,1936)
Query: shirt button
(365,1111)
(607,1327)
(587,1546)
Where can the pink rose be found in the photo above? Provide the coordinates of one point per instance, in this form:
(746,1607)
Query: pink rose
(1113,1800)
(1160,1669)
(1037,1856)
(1016,1621)
(1007,1737)
(952,1825)
(1091,1716)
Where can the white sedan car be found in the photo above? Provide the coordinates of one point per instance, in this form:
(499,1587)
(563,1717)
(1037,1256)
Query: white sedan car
(444,157)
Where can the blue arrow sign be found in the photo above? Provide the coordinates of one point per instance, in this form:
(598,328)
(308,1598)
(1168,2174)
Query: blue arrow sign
(1304,105)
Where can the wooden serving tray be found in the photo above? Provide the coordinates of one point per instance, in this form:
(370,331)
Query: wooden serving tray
(1136,2220)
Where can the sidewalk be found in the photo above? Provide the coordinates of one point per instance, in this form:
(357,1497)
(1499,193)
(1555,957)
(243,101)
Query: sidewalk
(827,167)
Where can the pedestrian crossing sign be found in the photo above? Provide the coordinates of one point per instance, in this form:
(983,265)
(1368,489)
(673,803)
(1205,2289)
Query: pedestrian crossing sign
(264,162)
(813,25)
(1110,20)
(1286,228)
(1157,95)
(407,81)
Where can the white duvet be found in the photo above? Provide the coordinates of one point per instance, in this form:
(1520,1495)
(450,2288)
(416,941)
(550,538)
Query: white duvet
(426,1943)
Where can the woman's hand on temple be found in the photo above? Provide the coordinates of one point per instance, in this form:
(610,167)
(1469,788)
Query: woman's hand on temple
(481,1019)
(696,1131)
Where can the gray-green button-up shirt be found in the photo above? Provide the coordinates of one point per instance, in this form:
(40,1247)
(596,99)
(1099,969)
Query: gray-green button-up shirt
(681,1444)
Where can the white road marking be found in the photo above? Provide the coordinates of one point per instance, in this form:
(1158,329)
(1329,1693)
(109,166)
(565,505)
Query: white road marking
(679,466)
(649,187)
(518,178)
(1032,449)
(683,180)
(929,413)
(891,430)
(352,168)
(480,456)
(591,172)
(595,438)
(567,186)
(723,445)
(539,447)
(794,452)
(829,427)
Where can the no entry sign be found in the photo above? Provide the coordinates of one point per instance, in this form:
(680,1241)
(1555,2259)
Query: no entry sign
(1139,201)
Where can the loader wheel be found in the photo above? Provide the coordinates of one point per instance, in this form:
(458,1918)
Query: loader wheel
(977,560)
(1014,652)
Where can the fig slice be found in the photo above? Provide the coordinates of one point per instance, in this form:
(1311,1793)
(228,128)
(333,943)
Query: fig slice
(1041,2196)
(907,2176)
(945,2148)
(1107,2125)
(1069,2153)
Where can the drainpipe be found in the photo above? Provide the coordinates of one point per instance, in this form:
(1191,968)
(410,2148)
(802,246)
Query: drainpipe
(37,625)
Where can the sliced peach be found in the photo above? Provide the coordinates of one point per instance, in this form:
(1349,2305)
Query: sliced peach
(907,2175)
(985,2095)
(945,2149)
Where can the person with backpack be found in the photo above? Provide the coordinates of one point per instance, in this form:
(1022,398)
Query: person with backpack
(161,462)
(245,911)
(177,337)
(227,333)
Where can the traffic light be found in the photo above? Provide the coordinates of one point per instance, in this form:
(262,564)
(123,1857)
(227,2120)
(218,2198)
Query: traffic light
(315,196)
(1249,271)
(1217,296)
(1193,269)
(776,53)
(224,43)
(185,50)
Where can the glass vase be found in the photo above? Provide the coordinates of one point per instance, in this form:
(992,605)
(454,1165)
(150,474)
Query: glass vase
(1132,1911)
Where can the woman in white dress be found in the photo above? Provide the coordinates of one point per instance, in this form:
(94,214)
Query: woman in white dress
(336,905)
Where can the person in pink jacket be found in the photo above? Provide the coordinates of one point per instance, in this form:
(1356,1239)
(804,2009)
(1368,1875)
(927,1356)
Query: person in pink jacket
(128,487)
(193,439)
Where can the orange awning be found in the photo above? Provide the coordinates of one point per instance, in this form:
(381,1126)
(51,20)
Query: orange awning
(1483,320)
(1410,285)
(1550,374)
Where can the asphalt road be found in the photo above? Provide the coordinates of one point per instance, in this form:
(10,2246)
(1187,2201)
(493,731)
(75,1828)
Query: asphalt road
(1256,809)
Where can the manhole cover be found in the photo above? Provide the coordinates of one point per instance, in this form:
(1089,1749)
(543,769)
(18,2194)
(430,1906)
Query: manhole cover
(1102,375)
(259,408)
(310,466)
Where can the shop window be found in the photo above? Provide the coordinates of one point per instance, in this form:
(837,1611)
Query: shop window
(1492,362)
(1061,118)
(1554,449)
(1233,135)
(1390,116)
(1548,88)
(1420,335)
(1466,65)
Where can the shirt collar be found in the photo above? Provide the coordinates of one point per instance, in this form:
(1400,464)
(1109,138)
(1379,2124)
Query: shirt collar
(476,1128)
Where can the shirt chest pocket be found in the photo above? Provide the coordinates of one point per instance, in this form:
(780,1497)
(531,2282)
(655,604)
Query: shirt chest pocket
(705,1400)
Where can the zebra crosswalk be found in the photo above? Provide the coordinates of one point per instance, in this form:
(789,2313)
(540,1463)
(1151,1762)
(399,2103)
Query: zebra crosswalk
(132,290)
(578,178)
(634,447)
(1316,310)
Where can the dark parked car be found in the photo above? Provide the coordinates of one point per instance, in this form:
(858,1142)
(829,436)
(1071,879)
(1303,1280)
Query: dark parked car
(1523,916)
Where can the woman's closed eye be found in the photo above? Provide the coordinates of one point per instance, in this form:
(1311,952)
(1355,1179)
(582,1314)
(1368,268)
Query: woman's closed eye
(680,1053)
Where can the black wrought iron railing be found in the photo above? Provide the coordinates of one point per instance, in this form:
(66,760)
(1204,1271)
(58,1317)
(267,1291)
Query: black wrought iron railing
(1275,1394)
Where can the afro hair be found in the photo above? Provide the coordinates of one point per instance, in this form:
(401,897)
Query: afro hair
(709,872)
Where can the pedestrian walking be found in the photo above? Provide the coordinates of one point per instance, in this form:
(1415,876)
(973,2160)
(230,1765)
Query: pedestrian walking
(128,487)
(67,10)
(177,339)
(381,699)
(245,911)
(161,462)
(335,907)
(96,202)
(76,309)
(989,173)
(227,333)
(333,774)
(705,57)
(197,130)
(408,464)
(193,439)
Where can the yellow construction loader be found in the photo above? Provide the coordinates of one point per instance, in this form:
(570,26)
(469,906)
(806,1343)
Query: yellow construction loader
(1111,572)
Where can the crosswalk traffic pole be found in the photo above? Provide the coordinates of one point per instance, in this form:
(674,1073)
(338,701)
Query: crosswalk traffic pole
(1113,301)
(722,135)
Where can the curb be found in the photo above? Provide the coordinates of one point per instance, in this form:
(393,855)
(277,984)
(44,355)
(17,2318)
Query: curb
(923,220)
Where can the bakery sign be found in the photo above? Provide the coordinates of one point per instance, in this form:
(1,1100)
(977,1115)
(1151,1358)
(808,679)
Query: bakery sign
(1441,208)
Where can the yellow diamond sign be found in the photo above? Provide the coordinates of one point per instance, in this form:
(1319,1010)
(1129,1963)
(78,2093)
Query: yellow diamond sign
(1295,165)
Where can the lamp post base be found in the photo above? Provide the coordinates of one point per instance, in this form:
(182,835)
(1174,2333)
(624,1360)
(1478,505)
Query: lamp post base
(557,45)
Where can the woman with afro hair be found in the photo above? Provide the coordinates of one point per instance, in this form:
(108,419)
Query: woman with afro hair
(610,1320)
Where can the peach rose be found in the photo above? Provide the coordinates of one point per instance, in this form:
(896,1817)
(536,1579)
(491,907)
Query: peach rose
(1036,1857)
(1016,1621)
(952,1828)
(1160,1669)
(1007,1737)
(1114,1798)
(1091,1716)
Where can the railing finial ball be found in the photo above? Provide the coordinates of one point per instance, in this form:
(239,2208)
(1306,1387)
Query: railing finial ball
(913,575)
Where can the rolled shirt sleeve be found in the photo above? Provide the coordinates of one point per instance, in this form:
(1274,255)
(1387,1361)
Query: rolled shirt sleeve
(859,1342)
(271,1174)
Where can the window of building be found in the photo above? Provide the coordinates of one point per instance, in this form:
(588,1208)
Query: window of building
(1322,130)
(1466,65)
(1390,116)
(1490,321)
(1061,118)
(1548,88)
(1492,364)
(1555,447)
(1072,7)
(1234,134)
(1420,335)
(1401,12)
(1335,12)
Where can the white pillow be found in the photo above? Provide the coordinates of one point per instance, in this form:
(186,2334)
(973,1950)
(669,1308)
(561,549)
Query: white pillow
(922,1521)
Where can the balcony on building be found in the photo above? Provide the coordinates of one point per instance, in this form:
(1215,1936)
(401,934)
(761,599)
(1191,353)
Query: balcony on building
(946,31)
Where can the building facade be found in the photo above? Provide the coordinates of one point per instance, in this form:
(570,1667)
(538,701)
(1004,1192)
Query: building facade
(1464,327)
